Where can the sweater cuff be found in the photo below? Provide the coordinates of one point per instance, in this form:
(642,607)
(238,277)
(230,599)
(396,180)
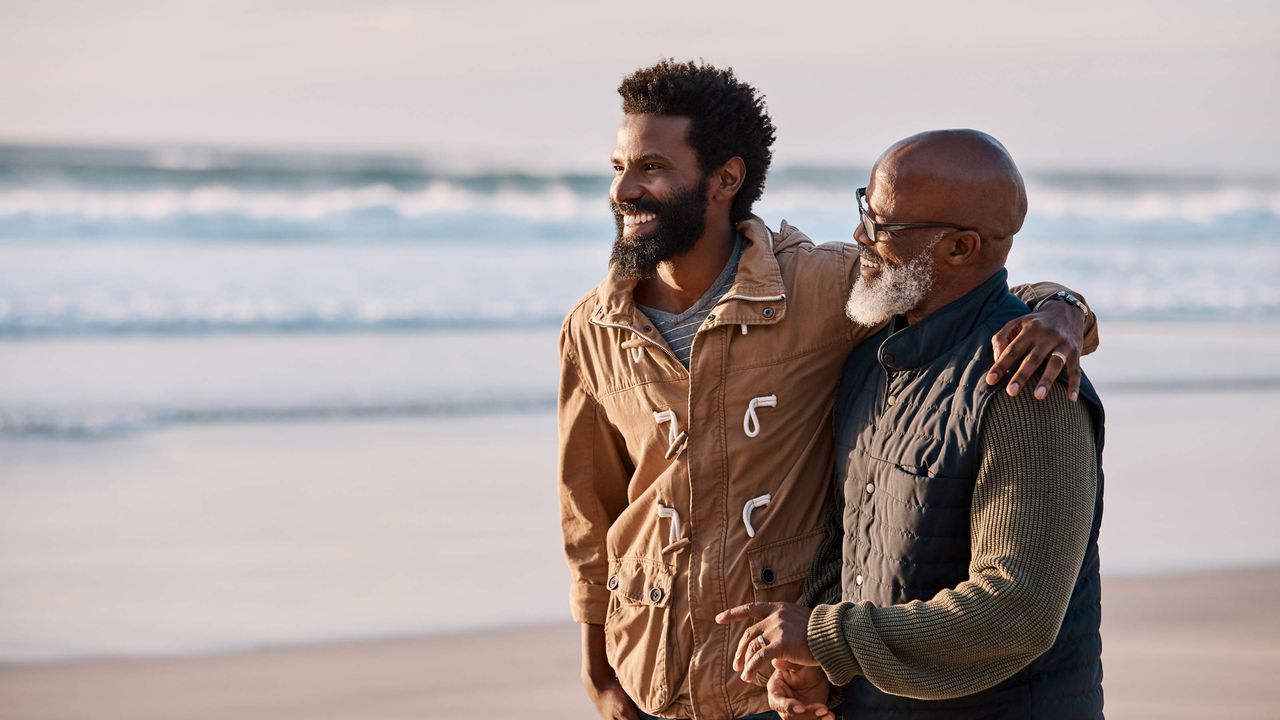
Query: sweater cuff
(589,603)
(829,646)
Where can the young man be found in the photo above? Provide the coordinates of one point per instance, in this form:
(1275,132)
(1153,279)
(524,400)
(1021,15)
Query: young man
(966,548)
(695,400)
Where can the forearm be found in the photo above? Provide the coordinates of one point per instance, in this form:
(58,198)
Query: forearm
(1031,516)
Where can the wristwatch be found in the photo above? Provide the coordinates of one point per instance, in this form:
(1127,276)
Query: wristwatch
(1065,297)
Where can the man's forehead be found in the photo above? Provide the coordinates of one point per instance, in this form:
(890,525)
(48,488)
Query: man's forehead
(641,134)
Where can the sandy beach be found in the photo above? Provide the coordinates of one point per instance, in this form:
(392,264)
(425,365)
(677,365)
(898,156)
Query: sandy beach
(1176,646)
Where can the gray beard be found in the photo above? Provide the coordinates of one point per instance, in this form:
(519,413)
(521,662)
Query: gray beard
(897,290)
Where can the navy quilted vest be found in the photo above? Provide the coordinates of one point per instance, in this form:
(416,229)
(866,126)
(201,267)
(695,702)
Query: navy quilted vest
(908,417)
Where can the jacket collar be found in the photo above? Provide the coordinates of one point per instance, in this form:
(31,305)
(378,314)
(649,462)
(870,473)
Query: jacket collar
(757,285)
(915,345)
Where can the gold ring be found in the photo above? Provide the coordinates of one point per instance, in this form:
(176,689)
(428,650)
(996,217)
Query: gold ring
(1060,355)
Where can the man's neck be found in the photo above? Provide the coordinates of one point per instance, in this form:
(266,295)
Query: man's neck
(683,280)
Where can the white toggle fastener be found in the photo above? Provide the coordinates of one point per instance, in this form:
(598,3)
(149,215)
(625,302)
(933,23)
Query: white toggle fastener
(750,422)
(676,440)
(637,354)
(673,535)
(752,504)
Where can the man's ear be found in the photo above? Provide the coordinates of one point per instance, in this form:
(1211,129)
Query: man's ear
(962,247)
(727,180)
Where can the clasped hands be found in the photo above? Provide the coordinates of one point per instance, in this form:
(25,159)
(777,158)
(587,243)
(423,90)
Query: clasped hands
(774,651)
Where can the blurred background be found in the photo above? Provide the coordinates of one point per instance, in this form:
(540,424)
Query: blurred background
(280,284)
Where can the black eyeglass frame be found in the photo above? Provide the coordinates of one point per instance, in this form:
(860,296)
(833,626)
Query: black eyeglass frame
(874,228)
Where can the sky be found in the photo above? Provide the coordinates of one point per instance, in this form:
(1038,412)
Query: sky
(1091,84)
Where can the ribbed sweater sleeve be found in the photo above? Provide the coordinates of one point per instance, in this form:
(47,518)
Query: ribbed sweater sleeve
(1031,515)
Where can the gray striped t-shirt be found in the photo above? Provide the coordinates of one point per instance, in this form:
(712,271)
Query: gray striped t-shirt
(678,329)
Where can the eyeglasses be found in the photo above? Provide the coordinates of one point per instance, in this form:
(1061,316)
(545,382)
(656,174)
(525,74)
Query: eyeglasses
(874,228)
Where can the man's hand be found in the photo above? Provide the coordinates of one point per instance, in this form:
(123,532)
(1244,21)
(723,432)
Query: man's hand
(1056,332)
(603,688)
(611,700)
(781,633)
(799,692)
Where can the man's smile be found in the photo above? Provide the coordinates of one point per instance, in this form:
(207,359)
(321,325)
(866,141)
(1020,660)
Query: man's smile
(633,222)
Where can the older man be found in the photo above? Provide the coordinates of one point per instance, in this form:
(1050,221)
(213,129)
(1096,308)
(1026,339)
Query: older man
(966,548)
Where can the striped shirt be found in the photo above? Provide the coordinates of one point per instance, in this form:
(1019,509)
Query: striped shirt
(678,329)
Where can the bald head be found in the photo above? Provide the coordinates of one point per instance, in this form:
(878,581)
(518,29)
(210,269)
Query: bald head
(958,200)
(963,177)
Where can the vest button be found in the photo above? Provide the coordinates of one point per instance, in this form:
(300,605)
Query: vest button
(655,595)
(888,359)
(858,579)
(613,582)
(767,576)
(891,400)
(871,487)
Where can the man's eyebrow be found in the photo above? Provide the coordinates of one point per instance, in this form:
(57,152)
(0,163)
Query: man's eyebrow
(647,157)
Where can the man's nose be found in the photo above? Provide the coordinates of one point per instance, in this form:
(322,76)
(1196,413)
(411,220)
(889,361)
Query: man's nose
(860,234)
(625,188)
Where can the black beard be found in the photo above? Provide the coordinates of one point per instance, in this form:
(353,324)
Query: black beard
(681,221)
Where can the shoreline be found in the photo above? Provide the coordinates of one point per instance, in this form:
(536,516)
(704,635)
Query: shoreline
(1174,647)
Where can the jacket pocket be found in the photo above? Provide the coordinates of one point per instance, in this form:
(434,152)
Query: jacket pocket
(778,570)
(638,627)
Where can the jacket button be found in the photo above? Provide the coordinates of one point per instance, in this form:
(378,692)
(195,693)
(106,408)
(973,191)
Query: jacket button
(767,576)
(647,328)
(871,487)
(858,580)
(613,582)
(767,312)
(888,359)
(655,595)
(711,318)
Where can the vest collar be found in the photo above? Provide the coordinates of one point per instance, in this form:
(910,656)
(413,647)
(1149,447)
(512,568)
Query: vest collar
(911,346)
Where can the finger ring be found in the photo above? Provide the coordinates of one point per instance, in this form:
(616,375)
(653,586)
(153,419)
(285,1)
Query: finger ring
(1060,355)
(761,642)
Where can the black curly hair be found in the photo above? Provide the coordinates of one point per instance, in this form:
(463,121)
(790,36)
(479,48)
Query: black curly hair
(727,117)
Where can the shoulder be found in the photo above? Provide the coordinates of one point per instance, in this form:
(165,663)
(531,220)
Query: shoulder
(1054,422)
(798,255)
(577,322)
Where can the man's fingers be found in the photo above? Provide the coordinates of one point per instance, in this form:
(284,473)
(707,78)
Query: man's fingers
(1033,359)
(750,611)
(744,645)
(1010,353)
(1052,367)
(755,660)
(1002,339)
(1073,378)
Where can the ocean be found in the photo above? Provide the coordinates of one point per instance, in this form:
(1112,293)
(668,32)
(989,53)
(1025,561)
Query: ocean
(208,246)
(184,331)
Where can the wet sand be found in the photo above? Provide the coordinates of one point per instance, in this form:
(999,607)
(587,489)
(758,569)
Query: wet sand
(1176,646)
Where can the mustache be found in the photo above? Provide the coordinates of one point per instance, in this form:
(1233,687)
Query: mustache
(646,205)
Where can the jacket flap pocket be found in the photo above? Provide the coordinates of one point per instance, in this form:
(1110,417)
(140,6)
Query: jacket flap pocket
(642,581)
(784,561)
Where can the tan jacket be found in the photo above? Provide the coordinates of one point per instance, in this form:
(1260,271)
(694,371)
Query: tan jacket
(687,492)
